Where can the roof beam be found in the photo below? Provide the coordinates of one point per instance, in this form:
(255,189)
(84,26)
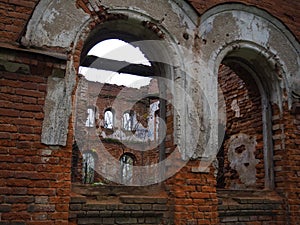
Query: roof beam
(117,66)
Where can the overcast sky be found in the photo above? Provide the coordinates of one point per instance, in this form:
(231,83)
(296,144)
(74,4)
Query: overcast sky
(121,51)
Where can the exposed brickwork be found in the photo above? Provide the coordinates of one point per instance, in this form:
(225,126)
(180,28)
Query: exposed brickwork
(245,116)
(35,179)
(286,12)
(192,196)
(293,134)
(14,15)
(257,208)
(126,205)
(287,168)
(119,99)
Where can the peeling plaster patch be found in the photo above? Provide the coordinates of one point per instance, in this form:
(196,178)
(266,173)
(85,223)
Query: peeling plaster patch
(241,157)
(55,23)
(58,106)
(46,153)
(249,29)
(252,27)
(235,107)
(15,67)
(186,19)
(55,123)
(50,15)
(167,16)
(45,159)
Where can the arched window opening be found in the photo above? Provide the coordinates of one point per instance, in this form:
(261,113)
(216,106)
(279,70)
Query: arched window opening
(91,117)
(241,157)
(117,73)
(88,168)
(122,64)
(127,162)
(129,120)
(109,119)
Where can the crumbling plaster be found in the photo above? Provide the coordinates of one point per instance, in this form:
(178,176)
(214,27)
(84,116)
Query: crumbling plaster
(255,36)
(54,23)
(241,157)
(169,18)
(264,47)
(199,45)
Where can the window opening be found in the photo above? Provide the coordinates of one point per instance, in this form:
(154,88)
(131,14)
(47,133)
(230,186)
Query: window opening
(127,162)
(90,121)
(115,56)
(241,158)
(88,168)
(128,121)
(125,80)
(108,119)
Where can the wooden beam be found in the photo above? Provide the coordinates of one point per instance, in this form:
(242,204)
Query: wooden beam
(117,66)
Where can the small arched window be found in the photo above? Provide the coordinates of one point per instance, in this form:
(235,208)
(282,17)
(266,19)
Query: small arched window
(88,167)
(91,115)
(128,120)
(127,162)
(109,119)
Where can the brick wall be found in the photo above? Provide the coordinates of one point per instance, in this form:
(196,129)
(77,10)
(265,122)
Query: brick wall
(119,205)
(250,207)
(15,14)
(285,13)
(285,132)
(35,179)
(119,99)
(293,166)
(244,116)
(192,196)
(286,160)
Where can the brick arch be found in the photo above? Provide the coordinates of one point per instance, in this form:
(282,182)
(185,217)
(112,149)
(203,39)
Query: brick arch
(250,33)
(173,23)
(152,37)
(251,30)
(252,117)
(258,42)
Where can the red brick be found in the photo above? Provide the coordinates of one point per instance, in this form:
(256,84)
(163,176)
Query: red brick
(42,191)
(200,195)
(62,208)
(25,3)
(19,199)
(30,93)
(60,216)
(46,222)
(9,112)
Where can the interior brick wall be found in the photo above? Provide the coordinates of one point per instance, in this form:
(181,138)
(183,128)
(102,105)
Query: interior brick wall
(14,14)
(104,96)
(285,13)
(286,160)
(34,178)
(238,86)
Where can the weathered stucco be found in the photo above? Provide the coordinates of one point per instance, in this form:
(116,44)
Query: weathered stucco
(170,18)
(249,33)
(198,46)
(54,23)
(241,157)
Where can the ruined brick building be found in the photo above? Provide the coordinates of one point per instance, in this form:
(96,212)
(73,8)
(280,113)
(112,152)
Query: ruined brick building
(213,138)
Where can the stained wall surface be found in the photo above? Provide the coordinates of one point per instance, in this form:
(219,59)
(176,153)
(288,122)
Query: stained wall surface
(41,46)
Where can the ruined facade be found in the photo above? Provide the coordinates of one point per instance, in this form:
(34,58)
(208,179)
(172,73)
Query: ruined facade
(228,89)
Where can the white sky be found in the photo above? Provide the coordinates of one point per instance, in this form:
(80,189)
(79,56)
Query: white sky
(121,51)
